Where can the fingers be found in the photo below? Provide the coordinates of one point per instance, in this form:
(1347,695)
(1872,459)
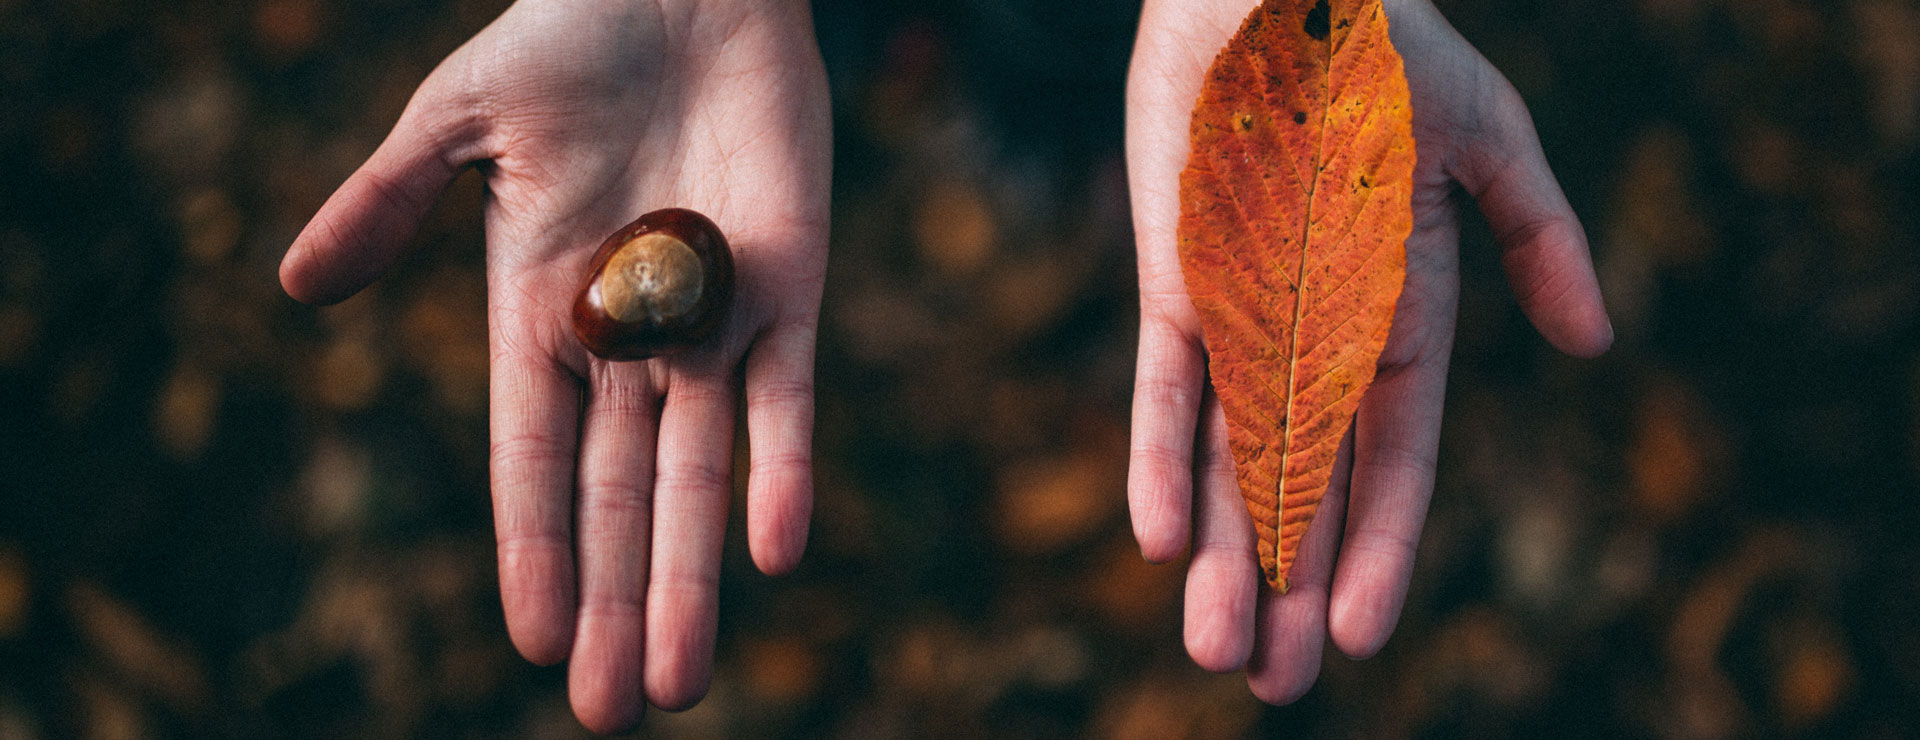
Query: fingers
(1542,245)
(369,222)
(1397,435)
(691,488)
(1290,629)
(1396,441)
(1224,574)
(1166,403)
(1170,57)
(534,417)
(779,390)
(1162,81)
(614,519)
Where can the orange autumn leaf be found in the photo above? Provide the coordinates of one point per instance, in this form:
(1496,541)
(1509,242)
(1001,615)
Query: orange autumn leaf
(1295,206)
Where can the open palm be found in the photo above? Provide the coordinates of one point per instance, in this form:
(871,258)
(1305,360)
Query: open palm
(1349,582)
(611,480)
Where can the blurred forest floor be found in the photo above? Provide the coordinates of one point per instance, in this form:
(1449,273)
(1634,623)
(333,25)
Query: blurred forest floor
(228,515)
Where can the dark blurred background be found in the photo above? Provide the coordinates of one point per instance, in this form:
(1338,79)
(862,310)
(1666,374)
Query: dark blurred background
(223,514)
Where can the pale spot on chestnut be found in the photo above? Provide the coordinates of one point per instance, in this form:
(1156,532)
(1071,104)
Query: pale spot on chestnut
(655,277)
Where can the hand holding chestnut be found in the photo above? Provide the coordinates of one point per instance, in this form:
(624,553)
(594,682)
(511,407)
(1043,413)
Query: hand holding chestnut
(658,286)
(610,480)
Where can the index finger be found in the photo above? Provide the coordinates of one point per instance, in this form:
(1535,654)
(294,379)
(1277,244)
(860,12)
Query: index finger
(534,421)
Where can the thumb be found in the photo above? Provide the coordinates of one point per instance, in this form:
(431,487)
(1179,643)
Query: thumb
(1542,245)
(370,221)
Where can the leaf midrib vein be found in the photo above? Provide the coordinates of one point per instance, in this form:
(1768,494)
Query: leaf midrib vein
(1300,279)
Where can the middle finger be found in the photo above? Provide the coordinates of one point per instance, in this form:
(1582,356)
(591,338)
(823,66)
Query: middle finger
(614,526)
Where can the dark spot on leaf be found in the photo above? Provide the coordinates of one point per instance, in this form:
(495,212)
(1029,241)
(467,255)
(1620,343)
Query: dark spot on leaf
(1318,21)
(1364,183)
(1299,117)
(1243,123)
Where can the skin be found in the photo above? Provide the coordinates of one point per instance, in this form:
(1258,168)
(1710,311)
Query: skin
(611,480)
(1474,136)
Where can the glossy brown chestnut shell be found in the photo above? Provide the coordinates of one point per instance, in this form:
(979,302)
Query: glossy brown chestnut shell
(658,286)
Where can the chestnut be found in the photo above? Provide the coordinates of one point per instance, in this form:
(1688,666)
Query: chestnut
(659,285)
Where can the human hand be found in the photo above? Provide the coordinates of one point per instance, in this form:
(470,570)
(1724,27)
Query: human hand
(1350,580)
(611,480)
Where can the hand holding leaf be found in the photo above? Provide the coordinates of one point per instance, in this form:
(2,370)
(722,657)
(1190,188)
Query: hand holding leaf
(1295,209)
(1472,129)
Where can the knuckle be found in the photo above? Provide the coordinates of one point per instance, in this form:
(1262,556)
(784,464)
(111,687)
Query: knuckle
(390,191)
(699,391)
(769,465)
(614,605)
(1408,465)
(1388,545)
(1221,549)
(624,399)
(531,542)
(791,392)
(685,586)
(606,500)
(522,459)
(696,479)
(1161,390)
(1159,461)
